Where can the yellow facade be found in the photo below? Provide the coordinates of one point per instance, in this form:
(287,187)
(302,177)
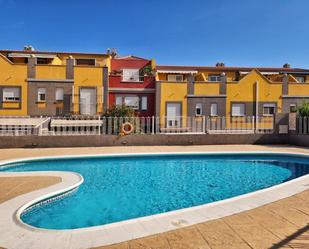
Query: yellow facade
(55,72)
(14,72)
(173,92)
(13,75)
(88,77)
(298,89)
(245,91)
(250,88)
(201,88)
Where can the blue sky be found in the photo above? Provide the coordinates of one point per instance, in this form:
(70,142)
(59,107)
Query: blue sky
(181,32)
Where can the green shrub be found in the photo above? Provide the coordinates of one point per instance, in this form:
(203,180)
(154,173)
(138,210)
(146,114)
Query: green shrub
(303,110)
(120,111)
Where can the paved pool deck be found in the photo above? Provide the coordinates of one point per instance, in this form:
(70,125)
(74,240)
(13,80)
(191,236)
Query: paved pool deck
(281,224)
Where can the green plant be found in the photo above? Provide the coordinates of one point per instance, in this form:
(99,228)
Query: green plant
(120,111)
(303,110)
(147,70)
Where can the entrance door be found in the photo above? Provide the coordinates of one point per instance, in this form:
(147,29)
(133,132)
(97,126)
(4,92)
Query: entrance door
(88,99)
(173,117)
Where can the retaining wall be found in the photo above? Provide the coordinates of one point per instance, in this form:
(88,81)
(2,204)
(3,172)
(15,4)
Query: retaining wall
(140,140)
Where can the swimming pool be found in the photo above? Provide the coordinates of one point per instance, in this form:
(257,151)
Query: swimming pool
(126,187)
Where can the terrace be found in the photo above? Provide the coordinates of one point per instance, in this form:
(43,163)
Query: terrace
(280,224)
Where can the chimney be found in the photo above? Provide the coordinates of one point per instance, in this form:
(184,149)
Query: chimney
(220,64)
(29,48)
(114,53)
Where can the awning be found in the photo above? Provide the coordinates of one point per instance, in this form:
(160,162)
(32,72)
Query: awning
(32,122)
(177,71)
(22,55)
(75,123)
(264,73)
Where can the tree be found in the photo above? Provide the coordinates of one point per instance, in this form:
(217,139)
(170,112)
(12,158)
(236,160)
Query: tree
(303,110)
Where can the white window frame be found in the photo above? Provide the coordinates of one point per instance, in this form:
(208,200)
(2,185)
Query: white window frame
(214,77)
(238,114)
(269,105)
(144,103)
(134,107)
(11,94)
(212,114)
(198,106)
(41,90)
(173,77)
(61,94)
(134,78)
(293,105)
(301,81)
(118,100)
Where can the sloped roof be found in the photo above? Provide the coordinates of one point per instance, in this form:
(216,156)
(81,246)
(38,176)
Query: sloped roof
(231,69)
(130,57)
(49,52)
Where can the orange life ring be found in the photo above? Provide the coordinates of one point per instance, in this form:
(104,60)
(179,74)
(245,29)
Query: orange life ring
(127,128)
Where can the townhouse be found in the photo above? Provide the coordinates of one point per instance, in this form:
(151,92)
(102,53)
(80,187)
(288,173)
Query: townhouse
(45,83)
(187,91)
(39,83)
(132,83)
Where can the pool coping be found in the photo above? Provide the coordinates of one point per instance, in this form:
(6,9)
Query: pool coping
(117,232)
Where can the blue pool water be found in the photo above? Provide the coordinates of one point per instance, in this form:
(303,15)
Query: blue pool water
(122,188)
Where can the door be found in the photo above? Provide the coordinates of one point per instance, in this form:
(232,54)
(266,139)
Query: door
(88,101)
(173,117)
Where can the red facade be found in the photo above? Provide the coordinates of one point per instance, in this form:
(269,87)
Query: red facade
(123,88)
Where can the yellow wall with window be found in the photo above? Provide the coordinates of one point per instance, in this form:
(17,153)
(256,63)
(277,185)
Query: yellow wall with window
(244,91)
(173,92)
(13,75)
(88,77)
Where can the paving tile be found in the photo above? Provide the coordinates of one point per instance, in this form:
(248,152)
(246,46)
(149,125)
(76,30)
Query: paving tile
(124,245)
(273,222)
(219,235)
(151,242)
(251,232)
(186,238)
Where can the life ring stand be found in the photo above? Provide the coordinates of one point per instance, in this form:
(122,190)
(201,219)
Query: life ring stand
(127,128)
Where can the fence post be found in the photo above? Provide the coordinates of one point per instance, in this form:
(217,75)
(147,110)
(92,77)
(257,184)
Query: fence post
(203,124)
(100,126)
(152,125)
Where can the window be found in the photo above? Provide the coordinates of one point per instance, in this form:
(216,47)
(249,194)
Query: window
(11,94)
(214,77)
(269,109)
(41,94)
(144,103)
(132,101)
(198,109)
(175,77)
(85,62)
(42,61)
(118,100)
(130,75)
(214,109)
(301,79)
(59,94)
(293,108)
(238,110)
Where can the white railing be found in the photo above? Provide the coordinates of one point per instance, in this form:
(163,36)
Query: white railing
(97,125)
(23,126)
(240,125)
